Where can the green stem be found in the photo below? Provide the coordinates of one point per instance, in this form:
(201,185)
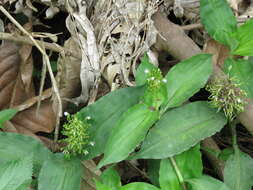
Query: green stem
(234,136)
(179,175)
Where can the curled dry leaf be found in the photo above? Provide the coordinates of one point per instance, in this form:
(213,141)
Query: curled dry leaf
(90,173)
(16,89)
(68,75)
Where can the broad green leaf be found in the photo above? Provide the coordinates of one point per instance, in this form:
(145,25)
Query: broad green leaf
(242,71)
(105,113)
(207,183)
(238,172)
(167,177)
(14,173)
(101,186)
(138,186)
(189,164)
(218,20)
(111,178)
(179,129)
(142,71)
(59,173)
(128,133)
(6,115)
(22,146)
(244,37)
(186,78)
(153,171)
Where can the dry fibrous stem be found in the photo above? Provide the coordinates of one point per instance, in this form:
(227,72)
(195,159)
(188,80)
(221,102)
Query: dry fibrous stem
(47,45)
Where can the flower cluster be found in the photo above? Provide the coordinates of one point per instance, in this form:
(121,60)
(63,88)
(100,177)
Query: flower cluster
(227,96)
(154,79)
(77,137)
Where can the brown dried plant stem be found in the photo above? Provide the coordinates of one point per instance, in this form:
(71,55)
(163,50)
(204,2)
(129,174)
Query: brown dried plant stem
(26,40)
(42,51)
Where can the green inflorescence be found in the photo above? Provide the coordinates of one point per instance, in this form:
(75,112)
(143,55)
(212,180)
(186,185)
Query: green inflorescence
(77,136)
(154,80)
(227,96)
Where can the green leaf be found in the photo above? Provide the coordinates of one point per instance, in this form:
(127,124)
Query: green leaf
(22,146)
(111,178)
(244,37)
(207,183)
(141,75)
(14,173)
(179,129)
(138,186)
(218,20)
(238,172)
(105,113)
(101,186)
(153,171)
(59,173)
(242,71)
(128,133)
(6,115)
(167,177)
(186,78)
(189,164)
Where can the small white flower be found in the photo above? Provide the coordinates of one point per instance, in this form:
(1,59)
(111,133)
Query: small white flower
(239,100)
(66,113)
(88,118)
(86,152)
(92,143)
(152,78)
(164,80)
(146,71)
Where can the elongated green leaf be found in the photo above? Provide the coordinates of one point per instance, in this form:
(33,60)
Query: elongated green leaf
(186,78)
(14,173)
(218,20)
(128,133)
(244,37)
(60,174)
(189,164)
(15,146)
(242,71)
(238,172)
(138,186)
(180,129)
(105,113)
(6,115)
(167,177)
(142,72)
(111,178)
(207,183)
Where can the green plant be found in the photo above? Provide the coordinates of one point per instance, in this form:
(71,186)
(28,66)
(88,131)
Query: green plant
(6,115)
(23,157)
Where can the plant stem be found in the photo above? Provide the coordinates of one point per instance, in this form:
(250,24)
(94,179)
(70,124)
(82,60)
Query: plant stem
(234,136)
(179,175)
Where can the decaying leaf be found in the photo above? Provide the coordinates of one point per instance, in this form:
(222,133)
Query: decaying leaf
(16,88)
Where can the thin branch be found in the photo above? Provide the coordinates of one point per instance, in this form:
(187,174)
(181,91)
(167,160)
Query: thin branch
(25,40)
(54,85)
